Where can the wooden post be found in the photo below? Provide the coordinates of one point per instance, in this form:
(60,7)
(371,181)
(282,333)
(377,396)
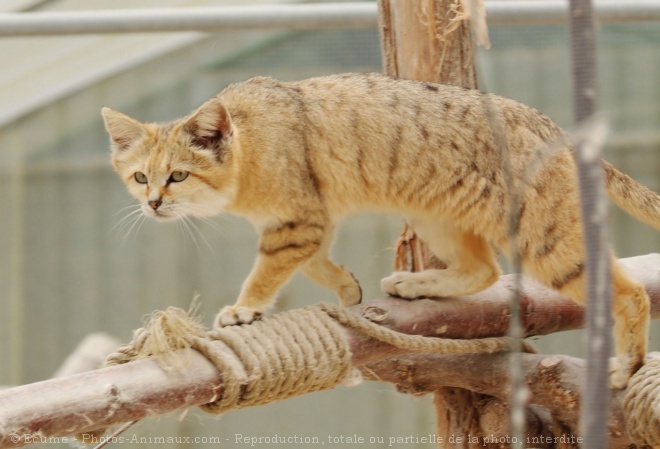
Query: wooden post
(427,40)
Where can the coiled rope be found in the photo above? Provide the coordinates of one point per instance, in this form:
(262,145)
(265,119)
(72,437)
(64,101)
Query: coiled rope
(642,404)
(289,354)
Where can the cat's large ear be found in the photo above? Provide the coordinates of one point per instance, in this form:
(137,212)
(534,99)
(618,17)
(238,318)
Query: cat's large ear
(123,130)
(210,127)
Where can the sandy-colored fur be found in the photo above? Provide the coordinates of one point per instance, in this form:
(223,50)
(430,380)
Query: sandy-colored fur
(295,158)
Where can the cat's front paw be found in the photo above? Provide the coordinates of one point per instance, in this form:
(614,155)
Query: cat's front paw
(404,285)
(233,315)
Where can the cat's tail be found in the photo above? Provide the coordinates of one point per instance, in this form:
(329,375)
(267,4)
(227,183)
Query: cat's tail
(631,196)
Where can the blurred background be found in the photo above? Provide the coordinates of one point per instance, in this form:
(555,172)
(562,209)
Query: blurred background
(70,264)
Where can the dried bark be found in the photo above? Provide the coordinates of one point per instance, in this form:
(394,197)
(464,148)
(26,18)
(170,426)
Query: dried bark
(136,390)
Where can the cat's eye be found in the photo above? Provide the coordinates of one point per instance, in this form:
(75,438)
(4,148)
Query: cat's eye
(178,176)
(140,177)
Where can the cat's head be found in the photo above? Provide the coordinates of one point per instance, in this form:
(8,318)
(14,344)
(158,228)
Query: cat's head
(176,169)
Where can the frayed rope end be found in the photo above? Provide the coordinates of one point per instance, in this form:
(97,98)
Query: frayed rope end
(163,334)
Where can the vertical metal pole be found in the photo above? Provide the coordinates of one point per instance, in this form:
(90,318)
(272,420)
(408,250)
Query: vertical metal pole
(595,396)
(583,41)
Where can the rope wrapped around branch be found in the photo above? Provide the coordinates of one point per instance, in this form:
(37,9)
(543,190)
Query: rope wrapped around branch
(642,404)
(306,350)
(289,354)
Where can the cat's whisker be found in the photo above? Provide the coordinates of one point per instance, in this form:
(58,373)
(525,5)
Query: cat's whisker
(194,229)
(179,226)
(185,223)
(141,220)
(126,220)
(184,230)
(134,207)
(194,208)
(129,201)
(129,226)
(130,206)
(132,226)
(124,223)
(191,209)
(200,233)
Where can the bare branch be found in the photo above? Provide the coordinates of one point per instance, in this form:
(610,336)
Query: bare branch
(486,314)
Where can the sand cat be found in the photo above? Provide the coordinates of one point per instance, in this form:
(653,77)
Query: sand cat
(295,158)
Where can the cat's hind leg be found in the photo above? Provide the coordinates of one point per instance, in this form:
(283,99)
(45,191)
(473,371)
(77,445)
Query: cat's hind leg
(564,270)
(470,260)
(631,311)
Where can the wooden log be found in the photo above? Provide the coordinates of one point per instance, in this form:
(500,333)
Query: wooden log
(426,40)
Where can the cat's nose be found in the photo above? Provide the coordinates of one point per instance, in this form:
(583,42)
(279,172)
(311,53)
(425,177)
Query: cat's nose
(155,203)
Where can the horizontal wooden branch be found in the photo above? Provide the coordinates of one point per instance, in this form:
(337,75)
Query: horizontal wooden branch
(553,382)
(486,314)
(123,393)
